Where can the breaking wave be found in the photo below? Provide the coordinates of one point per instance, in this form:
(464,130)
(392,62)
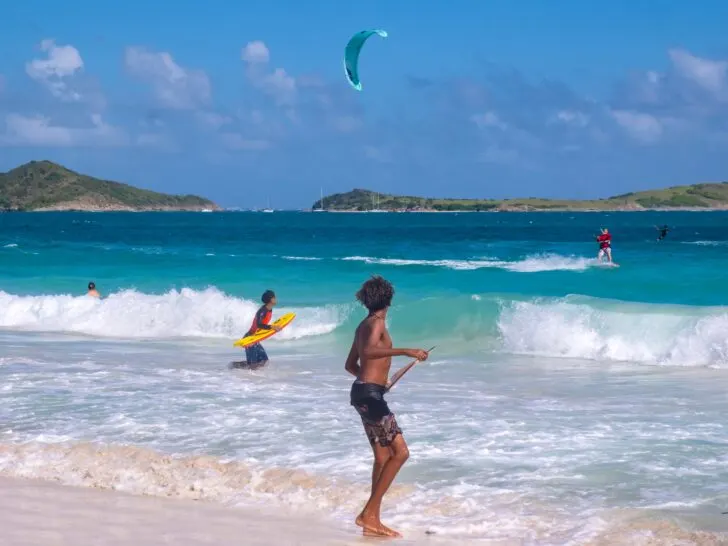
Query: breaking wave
(530,264)
(132,314)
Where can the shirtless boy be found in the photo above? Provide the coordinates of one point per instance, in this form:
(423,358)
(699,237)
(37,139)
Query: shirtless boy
(92,290)
(369,360)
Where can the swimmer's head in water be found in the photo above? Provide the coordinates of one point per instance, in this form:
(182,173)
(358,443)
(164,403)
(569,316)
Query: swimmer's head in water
(605,230)
(376,294)
(268,297)
(91,286)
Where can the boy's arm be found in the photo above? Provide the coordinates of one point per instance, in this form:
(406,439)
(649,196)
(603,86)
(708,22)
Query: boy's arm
(372,351)
(260,325)
(352,361)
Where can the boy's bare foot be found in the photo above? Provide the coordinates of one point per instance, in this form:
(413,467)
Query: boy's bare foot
(381,531)
(372,527)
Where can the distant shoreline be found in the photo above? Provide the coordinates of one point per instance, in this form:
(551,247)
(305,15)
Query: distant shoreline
(306,211)
(44,186)
(115,210)
(494,211)
(697,197)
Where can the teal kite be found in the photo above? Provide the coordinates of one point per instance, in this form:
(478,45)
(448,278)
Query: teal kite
(351,55)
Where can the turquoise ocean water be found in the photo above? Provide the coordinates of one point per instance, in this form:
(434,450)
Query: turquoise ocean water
(566,403)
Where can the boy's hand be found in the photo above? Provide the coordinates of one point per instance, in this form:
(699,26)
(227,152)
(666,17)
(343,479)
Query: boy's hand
(276,328)
(417,354)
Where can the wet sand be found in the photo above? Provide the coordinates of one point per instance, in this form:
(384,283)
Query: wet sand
(34,513)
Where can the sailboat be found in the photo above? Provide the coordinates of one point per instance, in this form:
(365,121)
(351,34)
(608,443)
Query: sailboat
(321,203)
(268,209)
(377,209)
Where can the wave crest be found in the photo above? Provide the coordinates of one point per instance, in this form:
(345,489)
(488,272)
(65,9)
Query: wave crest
(618,332)
(131,314)
(530,264)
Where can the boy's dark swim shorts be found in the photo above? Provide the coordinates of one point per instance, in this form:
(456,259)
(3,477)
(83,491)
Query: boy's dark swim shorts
(379,422)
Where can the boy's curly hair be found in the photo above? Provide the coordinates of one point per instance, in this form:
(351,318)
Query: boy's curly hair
(376,294)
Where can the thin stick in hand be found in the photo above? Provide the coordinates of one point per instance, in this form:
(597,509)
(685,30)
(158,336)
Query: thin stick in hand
(397,376)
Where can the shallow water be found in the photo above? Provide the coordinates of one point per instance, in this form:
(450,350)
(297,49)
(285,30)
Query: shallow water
(566,403)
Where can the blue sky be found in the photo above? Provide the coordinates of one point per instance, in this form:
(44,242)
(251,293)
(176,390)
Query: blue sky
(247,102)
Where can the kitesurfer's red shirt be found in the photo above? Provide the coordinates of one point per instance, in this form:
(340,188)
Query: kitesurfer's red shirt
(605,240)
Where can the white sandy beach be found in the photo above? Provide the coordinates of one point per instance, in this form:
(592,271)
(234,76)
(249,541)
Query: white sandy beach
(42,513)
(39,513)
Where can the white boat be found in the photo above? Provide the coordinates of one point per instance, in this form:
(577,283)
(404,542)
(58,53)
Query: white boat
(321,203)
(268,209)
(377,209)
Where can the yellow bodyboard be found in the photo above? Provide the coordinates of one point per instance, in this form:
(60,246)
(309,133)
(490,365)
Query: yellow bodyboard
(260,335)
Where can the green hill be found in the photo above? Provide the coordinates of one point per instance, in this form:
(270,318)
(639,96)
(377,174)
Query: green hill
(698,196)
(44,185)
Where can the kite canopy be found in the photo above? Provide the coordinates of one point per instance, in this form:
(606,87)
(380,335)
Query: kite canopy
(351,55)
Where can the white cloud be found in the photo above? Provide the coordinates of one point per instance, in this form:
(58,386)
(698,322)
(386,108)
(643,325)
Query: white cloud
(235,141)
(642,127)
(212,119)
(155,140)
(571,148)
(255,52)
(710,75)
(653,77)
(648,87)
(489,119)
(346,124)
(499,156)
(151,122)
(571,117)
(278,84)
(505,136)
(39,131)
(311,80)
(150,139)
(62,63)
(175,87)
(377,154)
(257,117)
(271,125)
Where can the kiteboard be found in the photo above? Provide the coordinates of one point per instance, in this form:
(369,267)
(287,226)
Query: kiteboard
(262,334)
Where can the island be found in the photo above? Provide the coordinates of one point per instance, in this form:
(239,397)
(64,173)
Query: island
(47,186)
(708,196)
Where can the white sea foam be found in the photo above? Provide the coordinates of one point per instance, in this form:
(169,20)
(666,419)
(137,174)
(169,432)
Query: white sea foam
(504,452)
(590,328)
(668,335)
(450,264)
(530,264)
(706,243)
(551,262)
(132,314)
